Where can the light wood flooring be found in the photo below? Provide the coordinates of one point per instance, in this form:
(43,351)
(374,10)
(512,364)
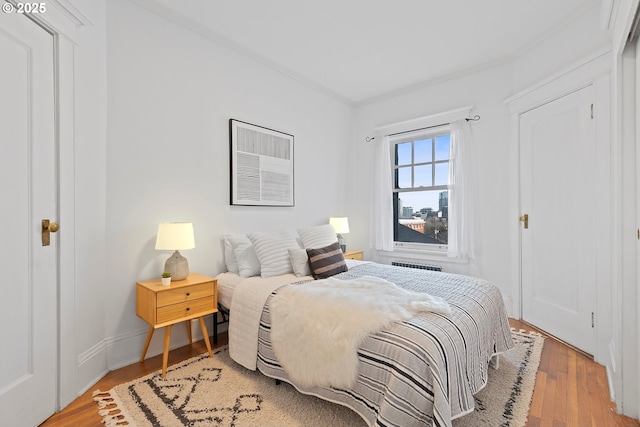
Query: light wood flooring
(571,390)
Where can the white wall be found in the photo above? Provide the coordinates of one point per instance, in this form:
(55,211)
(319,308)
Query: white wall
(485,90)
(634,404)
(88,290)
(561,48)
(164,95)
(624,343)
(171,93)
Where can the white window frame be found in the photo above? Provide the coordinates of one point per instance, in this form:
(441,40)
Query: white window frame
(403,137)
(405,250)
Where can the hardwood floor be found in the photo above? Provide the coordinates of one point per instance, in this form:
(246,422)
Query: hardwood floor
(571,390)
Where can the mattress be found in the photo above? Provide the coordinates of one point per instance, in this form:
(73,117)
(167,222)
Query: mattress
(420,372)
(227,282)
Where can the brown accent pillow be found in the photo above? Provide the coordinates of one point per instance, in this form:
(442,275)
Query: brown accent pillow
(326,262)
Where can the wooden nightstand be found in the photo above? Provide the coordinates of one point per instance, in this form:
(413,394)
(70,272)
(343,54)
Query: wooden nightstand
(163,306)
(353,255)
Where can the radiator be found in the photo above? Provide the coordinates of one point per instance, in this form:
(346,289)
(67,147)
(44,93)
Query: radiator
(417,265)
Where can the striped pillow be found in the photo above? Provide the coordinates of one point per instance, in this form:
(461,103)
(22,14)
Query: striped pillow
(326,262)
(272,251)
(318,236)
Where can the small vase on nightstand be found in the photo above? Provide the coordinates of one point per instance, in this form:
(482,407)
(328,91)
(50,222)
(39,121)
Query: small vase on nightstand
(166,279)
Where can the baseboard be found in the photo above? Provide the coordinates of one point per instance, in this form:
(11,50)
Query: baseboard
(508,303)
(91,367)
(612,355)
(612,392)
(610,368)
(126,349)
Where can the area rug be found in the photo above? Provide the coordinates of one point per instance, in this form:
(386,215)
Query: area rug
(216,391)
(504,402)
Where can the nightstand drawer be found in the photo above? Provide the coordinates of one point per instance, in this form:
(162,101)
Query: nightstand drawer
(357,255)
(193,308)
(187,293)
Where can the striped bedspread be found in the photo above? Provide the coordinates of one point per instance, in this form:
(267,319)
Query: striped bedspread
(422,372)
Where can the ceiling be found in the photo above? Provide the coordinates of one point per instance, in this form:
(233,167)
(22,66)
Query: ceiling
(360,50)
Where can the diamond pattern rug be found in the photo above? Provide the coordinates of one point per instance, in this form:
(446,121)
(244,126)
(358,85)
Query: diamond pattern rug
(216,391)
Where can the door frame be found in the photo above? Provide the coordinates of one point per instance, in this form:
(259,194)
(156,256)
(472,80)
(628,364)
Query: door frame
(63,20)
(591,70)
(571,320)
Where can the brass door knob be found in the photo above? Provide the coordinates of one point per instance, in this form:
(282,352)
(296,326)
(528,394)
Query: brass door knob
(48,227)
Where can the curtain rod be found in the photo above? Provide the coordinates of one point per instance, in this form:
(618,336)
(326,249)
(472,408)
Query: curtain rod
(469,119)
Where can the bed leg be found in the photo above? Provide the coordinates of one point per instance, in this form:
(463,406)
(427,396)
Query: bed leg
(494,362)
(215,327)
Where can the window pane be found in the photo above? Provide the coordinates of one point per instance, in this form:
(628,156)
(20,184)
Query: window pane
(422,151)
(422,176)
(403,153)
(421,200)
(420,212)
(442,147)
(404,178)
(442,173)
(420,218)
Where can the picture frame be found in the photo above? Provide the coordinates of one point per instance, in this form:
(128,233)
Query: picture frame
(262,166)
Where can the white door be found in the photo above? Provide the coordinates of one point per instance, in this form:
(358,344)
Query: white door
(28,313)
(557,183)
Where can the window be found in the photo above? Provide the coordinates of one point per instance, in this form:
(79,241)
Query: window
(420,187)
(408,177)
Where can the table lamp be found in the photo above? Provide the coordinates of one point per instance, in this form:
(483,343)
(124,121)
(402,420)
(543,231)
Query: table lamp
(341,226)
(176,236)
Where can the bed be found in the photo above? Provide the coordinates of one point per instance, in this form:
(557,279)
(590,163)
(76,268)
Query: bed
(422,371)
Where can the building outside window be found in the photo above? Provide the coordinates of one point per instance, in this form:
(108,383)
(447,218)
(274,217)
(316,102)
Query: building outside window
(420,187)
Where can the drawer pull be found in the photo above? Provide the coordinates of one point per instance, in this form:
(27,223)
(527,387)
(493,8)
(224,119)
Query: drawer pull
(188,293)
(188,309)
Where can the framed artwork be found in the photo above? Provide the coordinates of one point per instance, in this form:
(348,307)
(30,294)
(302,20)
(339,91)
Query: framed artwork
(261,165)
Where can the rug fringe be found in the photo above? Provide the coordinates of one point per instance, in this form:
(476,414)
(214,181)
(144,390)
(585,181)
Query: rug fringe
(524,331)
(111,413)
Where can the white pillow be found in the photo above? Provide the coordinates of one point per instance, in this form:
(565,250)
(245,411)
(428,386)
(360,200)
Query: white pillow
(245,255)
(318,236)
(229,248)
(271,249)
(299,262)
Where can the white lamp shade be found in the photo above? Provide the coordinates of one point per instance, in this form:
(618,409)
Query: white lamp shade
(175,236)
(340,225)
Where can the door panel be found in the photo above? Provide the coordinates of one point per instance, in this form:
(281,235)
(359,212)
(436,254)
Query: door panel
(557,179)
(28,372)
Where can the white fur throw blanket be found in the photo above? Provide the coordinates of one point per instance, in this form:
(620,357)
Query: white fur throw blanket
(317,327)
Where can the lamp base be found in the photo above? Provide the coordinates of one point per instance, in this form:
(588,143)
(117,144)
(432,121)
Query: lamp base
(342,243)
(178,266)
